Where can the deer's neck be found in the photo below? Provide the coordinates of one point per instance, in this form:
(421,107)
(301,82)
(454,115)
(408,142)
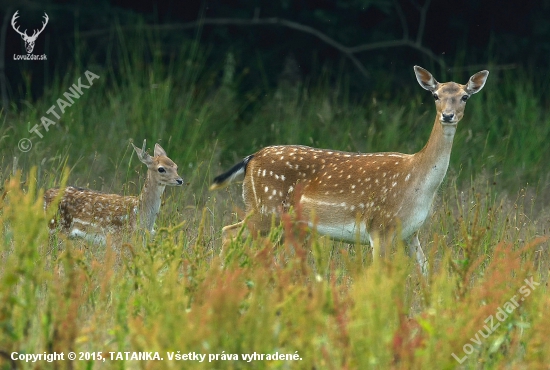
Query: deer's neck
(433,160)
(149,203)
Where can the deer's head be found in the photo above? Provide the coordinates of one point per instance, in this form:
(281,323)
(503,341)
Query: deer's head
(450,97)
(162,170)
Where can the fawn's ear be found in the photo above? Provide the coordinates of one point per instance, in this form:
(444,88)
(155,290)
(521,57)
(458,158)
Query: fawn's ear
(142,154)
(159,151)
(425,79)
(476,82)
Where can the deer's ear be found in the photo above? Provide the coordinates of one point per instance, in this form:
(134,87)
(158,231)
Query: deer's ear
(476,82)
(425,79)
(142,154)
(159,151)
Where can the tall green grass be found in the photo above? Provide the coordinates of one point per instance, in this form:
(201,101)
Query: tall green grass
(325,301)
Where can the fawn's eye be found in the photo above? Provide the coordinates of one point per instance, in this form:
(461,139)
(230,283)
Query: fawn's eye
(464,97)
(436,97)
(161,170)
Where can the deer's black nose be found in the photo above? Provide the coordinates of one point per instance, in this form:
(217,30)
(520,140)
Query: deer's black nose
(179,181)
(447,117)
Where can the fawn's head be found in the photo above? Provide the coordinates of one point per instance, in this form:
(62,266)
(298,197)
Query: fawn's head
(450,97)
(161,168)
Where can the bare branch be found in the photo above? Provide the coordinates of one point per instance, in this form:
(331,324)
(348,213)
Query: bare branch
(259,21)
(379,45)
(423,12)
(428,52)
(346,50)
(251,22)
(402,19)
(398,43)
(359,65)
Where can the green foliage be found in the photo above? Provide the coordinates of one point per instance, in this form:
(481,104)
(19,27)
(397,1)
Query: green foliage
(307,295)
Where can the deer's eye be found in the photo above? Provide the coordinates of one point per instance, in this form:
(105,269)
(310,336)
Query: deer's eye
(436,97)
(161,170)
(464,97)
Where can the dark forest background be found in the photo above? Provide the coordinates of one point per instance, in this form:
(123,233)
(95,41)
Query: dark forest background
(389,36)
(214,81)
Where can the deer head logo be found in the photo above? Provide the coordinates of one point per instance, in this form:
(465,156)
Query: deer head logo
(29,40)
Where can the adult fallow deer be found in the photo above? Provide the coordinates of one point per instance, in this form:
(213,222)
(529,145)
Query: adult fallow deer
(355,195)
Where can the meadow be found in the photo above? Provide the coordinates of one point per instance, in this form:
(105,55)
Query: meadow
(308,302)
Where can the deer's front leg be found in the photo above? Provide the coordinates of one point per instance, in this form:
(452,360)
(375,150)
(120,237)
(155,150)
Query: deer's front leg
(416,250)
(378,248)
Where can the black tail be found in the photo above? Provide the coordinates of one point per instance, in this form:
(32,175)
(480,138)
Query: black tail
(225,178)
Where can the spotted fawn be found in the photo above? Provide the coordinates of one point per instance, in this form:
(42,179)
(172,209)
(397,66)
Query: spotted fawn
(93,215)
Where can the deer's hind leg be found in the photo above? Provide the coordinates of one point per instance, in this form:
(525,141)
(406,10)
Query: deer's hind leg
(255,224)
(230,232)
